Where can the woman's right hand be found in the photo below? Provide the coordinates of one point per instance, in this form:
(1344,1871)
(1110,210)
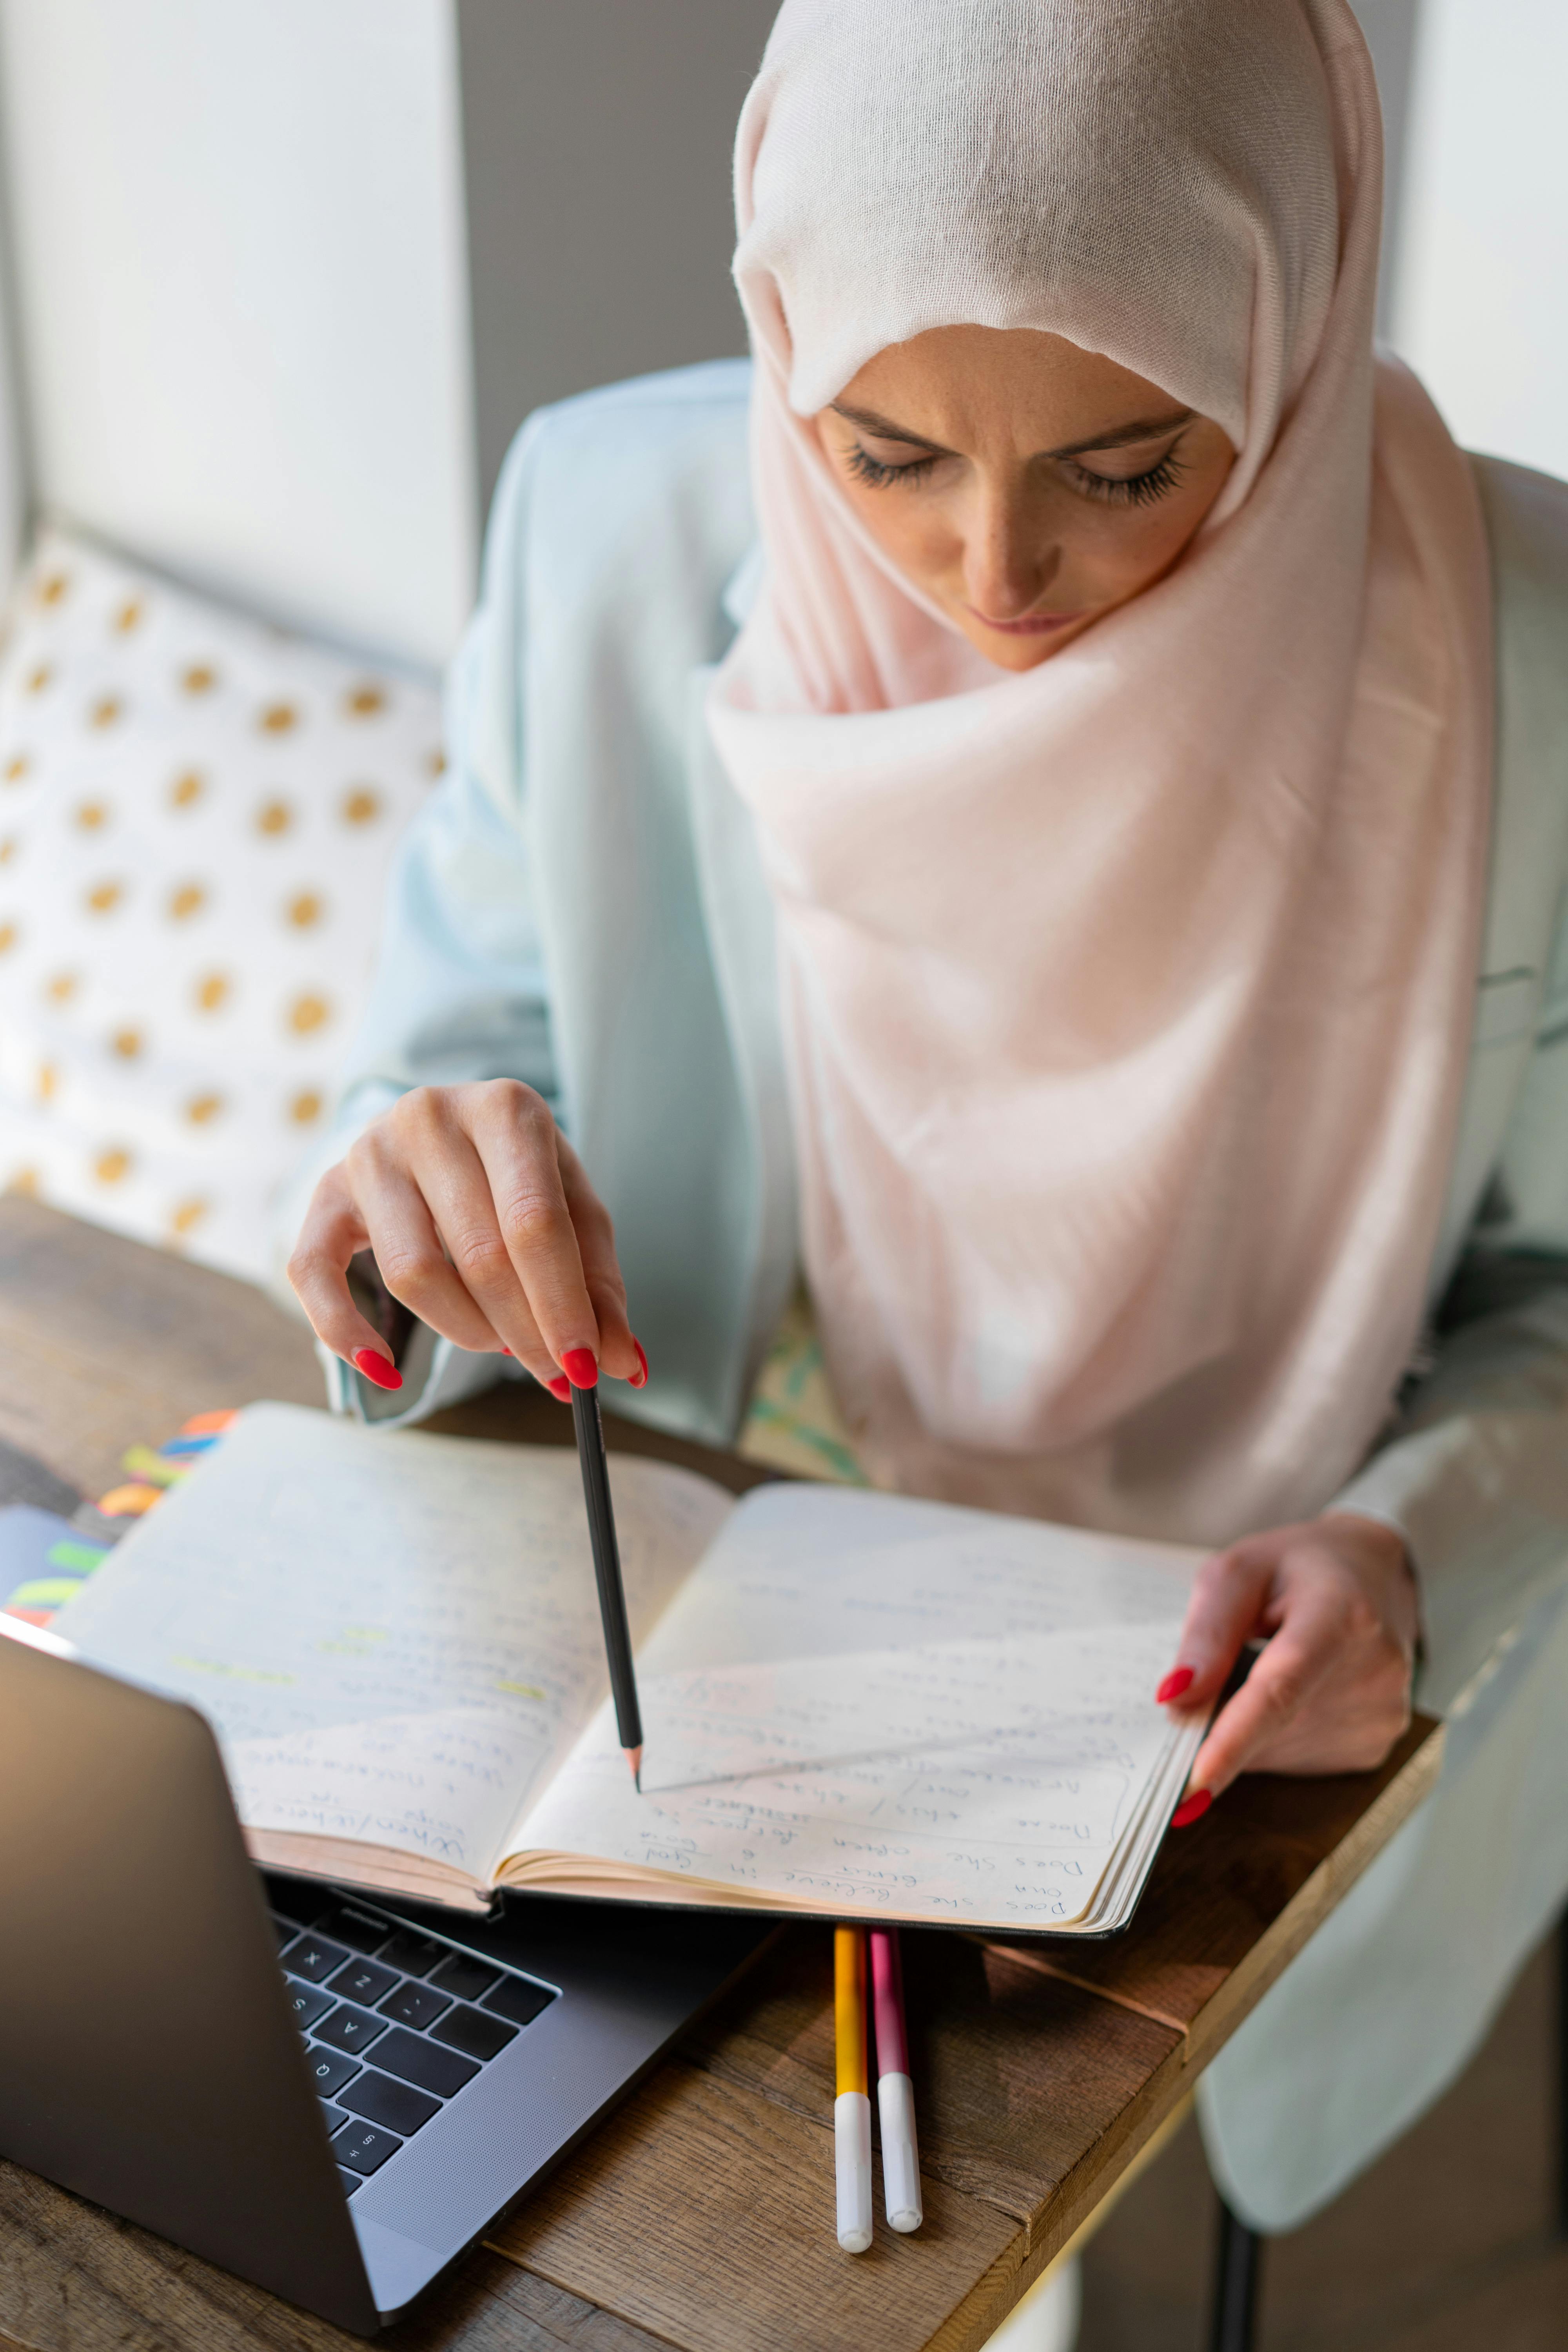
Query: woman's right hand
(483,1224)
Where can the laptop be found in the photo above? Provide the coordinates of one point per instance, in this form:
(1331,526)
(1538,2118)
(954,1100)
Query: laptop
(331,2096)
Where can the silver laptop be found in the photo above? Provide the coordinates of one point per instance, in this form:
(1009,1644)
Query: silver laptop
(330,2096)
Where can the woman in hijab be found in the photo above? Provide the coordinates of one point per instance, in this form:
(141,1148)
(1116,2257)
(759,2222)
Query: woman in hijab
(1052,919)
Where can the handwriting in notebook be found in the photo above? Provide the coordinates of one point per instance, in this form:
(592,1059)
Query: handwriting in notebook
(966,1777)
(399,1657)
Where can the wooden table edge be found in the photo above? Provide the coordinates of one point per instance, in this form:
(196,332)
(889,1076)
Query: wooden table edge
(1083,2190)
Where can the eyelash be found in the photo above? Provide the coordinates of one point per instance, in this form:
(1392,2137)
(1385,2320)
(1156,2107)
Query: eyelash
(878,477)
(1129,490)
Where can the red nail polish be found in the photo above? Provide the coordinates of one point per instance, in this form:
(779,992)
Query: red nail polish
(379,1369)
(1179,1679)
(1192,1809)
(640,1376)
(561,1389)
(506,1351)
(580,1368)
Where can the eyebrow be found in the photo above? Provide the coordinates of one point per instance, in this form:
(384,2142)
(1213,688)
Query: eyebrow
(1142,428)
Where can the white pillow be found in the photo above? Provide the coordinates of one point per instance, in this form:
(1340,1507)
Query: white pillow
(196,817)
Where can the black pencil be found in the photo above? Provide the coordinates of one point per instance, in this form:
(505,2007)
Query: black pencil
(590,1431)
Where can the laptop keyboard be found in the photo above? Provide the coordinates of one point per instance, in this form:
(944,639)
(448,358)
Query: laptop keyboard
(395,2023)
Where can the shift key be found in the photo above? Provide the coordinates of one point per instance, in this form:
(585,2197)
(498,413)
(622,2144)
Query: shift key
(418,2061)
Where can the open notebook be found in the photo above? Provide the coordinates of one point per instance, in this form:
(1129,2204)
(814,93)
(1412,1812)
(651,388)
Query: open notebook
(853,1703)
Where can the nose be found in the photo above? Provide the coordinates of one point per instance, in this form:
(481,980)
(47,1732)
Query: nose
(1010,557)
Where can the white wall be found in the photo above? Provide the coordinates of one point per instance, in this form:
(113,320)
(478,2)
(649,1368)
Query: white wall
(242,297)
(1481,299)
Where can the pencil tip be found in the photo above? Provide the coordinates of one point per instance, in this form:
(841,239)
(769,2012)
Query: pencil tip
(634,1757)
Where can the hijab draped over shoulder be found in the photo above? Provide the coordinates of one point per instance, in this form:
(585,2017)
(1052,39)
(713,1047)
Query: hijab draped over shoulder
(1127,1000)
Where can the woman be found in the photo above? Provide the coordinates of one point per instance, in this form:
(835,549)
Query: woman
(1055,921)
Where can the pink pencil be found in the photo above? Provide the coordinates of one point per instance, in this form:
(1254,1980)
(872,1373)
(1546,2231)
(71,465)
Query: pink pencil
(895,2092)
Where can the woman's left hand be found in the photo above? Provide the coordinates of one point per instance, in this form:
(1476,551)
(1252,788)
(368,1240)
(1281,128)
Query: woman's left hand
(1334,1600)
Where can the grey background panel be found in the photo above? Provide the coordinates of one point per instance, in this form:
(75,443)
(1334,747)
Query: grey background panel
(1390,26)
(597,143)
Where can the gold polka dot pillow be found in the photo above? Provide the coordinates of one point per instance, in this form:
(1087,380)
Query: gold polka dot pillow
(196,817)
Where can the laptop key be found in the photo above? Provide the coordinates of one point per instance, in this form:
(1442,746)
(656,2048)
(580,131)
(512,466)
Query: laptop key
(314,1958)
(304,1905)
(465,1978)
(350,2180)
(414,1955)
(415,2005)
(396,2106)
(360,1931)
(307,2002)
(364,1981)
(418,2061)
(518,2001)
(351,2028)
(474,2033)
(330,2070)
(363,2148)
(331,2116)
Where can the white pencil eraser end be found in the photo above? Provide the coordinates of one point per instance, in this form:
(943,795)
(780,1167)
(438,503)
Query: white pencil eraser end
(901,2155)
(852,2151)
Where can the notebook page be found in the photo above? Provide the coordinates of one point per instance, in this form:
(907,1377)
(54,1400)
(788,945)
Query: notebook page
(395,1636)
(979,1763)
(968,1780)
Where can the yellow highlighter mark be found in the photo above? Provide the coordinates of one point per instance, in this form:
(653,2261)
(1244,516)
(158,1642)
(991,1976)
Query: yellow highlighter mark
(230,1673)
(353,1641)
(523,1690)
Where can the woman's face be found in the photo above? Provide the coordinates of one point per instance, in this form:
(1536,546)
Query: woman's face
(1026,486)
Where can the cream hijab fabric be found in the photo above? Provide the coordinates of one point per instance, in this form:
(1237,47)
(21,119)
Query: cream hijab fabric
(1127,1000)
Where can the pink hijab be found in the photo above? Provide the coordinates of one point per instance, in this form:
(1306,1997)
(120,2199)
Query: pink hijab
(1127,1001)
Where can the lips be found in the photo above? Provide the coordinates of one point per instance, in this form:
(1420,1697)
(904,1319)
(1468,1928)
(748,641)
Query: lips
(1033,625)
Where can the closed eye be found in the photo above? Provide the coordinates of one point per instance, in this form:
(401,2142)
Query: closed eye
(1128,489)
(868,469)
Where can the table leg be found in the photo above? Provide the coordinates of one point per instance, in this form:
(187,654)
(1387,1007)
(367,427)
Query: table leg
(1235,2284)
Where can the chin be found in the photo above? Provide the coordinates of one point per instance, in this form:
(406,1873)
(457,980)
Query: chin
(1021,653)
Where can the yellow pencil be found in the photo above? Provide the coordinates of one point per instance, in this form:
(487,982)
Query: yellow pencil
(852,2107)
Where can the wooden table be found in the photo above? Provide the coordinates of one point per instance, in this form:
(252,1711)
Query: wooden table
(701,2215)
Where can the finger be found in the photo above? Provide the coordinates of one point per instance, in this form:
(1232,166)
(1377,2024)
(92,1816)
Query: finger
(332,1233)
(408,1252)
(1288,1671)
(515,1137)
(458,1191)
(1225,1611)
(619,1353)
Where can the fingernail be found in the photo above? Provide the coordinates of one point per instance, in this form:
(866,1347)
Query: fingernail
(506,1351)
(379,1369)
(1179,1679)
(580,1368)
(640,1375)
(560,1388)
(1192,1809)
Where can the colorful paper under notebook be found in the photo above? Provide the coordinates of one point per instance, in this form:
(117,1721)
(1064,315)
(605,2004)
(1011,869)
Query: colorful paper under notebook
(43,1560)
(210,1424)
(129,1502)
(144,1462)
